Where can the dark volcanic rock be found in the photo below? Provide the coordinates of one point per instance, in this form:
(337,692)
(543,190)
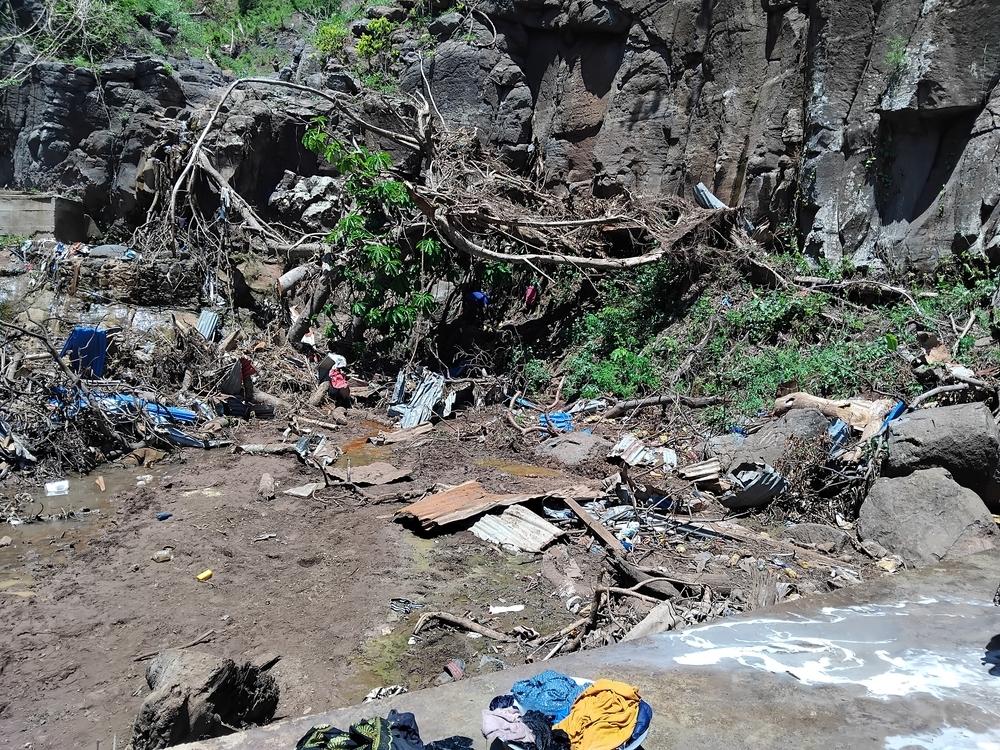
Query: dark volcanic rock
(196,695)
(963,439)
(926,517)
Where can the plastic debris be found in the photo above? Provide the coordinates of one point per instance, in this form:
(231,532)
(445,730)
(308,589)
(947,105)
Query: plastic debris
(754,485)
(204,575)
(59,487)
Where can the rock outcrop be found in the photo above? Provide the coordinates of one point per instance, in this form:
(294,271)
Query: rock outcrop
(196,696)
(771,444)
(963,439)
(926,517)
(872,123)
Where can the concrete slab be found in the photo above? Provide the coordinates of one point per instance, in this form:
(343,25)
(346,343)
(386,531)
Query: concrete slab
(895,664)
(44,214)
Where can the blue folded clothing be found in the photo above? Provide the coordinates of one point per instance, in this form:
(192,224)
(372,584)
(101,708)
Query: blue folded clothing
(549,693)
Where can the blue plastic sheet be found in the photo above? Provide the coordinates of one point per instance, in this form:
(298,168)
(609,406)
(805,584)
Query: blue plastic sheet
(87,347)
(559,420)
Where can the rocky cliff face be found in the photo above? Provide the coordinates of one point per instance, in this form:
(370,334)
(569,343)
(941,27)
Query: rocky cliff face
(867,130)
(870,124)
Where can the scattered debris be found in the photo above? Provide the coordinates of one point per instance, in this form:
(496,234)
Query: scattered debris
(754,485)
(305,490)
(265,488)
(379,693)
(204,576)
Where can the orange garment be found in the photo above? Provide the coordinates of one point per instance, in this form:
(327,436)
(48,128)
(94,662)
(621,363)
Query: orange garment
(603,716)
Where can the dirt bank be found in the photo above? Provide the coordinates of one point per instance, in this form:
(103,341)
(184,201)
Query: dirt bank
(80,601)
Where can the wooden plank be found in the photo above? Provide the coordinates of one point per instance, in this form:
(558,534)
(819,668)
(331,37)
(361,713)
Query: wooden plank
(596,527)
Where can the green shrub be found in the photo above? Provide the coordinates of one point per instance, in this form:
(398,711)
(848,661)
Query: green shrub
(331,36)
(895,55)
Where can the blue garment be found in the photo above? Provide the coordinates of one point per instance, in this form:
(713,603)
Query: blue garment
(550,693)
(641,722)
(87,347)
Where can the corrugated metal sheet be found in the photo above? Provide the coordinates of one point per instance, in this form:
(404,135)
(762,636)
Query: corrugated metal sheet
(421,405)
(518,528)
(469,499)
(208,322)
(701,472)
(634,452)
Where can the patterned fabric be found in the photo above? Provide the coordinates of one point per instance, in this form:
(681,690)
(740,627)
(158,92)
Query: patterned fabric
(370,734)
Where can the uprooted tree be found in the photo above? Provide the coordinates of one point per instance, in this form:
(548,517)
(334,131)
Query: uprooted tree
(446,205)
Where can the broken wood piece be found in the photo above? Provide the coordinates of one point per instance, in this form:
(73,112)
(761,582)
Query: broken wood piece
(704,471)
(320,423)
(197,641)
(660,619)
(864,416)
(100,483)
(265,449)
(694,402)
(400,436)
(266,487)
(373,474)
(596,527)
(646,579)
(461,622)
(267,399)
(470,499)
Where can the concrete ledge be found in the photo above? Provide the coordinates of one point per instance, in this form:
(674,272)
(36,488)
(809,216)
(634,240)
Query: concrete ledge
(892,664)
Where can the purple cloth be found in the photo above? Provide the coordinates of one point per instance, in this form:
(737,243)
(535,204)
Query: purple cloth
(505,724)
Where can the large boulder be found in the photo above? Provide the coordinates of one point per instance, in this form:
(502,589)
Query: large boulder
(926,517)
(573,448)
(773,441)
(196,695)
(963,439)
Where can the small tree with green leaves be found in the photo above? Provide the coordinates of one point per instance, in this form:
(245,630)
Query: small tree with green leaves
(389,278)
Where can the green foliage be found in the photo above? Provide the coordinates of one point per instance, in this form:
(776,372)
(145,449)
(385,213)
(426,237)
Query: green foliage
(331,36)
(387,277)
(375,40)
(895,55)
(12,240)
(537,375)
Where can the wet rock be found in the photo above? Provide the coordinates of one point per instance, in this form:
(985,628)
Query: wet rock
(196,695)
(573,448)
(963,439)
(772,442)
(825,538)
(926,517)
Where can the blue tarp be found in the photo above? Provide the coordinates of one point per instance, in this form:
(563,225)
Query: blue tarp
(87,347)
(561,421)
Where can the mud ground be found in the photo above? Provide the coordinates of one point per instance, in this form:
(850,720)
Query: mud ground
(81,602)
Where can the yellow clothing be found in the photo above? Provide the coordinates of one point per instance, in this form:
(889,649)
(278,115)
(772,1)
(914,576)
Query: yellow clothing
(603,717)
